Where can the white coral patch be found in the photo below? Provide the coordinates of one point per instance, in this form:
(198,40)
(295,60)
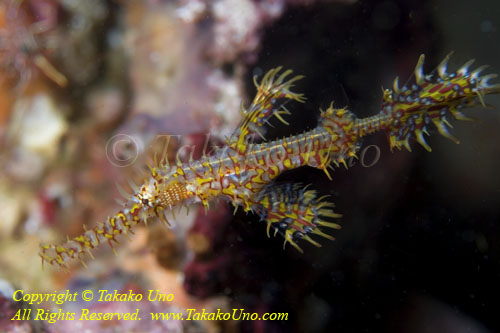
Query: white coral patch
(41,124)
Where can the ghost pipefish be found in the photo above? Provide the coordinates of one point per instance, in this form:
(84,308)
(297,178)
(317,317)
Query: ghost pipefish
(244,172)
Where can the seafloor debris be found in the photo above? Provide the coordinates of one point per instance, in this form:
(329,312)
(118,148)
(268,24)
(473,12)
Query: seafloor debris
(8,310)
(24,50)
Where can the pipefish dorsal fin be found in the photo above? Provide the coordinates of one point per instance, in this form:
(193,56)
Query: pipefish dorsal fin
(273,92)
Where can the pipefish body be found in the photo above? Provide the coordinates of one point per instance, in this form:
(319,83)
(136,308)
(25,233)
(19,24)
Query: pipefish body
(244,172)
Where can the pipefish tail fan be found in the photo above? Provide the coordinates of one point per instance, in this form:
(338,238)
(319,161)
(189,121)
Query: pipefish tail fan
(430,100)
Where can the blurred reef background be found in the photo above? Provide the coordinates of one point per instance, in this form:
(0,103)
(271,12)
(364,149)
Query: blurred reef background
(87,87)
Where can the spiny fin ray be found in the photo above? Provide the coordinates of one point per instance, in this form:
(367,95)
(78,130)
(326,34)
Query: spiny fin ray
(272,92)
(409,112)
(295,212)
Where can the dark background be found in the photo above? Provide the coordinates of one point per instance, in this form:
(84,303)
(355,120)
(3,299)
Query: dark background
(419,249)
